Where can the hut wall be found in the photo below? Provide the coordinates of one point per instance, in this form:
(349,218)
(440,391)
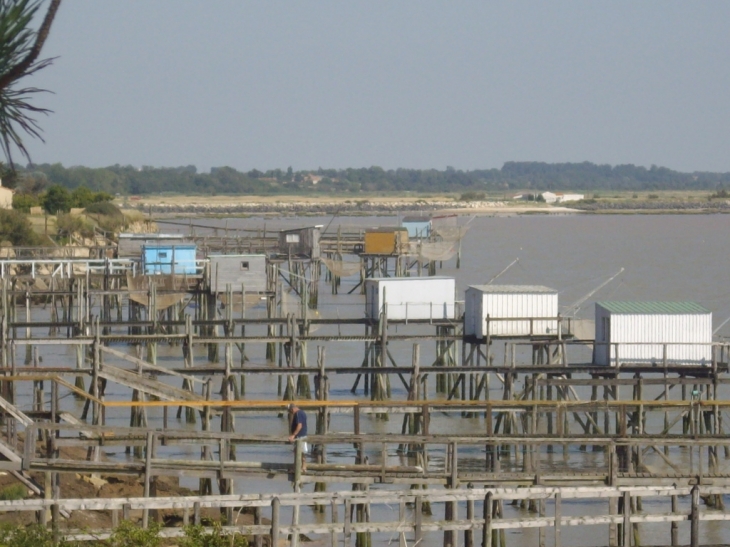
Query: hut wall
(410,297)
(169,259)
(641,337)
(385,241)
(418,228)
(510,302)
(300,242)
(238,270)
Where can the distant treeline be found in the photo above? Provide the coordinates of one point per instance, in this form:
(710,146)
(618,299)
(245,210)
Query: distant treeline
(513,176)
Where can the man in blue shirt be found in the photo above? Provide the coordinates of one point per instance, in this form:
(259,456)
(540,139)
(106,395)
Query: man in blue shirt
(298,429)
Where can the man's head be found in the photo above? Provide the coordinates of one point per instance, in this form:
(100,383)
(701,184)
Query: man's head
(291,408)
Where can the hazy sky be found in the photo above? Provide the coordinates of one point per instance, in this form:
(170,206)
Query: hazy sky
(406,83)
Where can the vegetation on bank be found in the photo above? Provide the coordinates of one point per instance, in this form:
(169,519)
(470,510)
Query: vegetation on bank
(17,230)
(94,212)
(57,199)
(513,176)
(127,534)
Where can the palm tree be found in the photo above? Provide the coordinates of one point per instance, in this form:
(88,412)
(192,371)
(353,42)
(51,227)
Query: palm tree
(20,46)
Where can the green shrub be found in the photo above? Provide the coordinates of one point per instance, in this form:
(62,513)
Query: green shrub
(104,208)
(83,197)
(71,224)
(28,536)
(473,196)
(196,536)
(13,492)
(128,534)
(57,199)
(23,201)
(16,228)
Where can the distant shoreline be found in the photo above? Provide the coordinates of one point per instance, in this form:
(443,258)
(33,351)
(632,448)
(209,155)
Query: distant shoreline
(292,205)
(212,206)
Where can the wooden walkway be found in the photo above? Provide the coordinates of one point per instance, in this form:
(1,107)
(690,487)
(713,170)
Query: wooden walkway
(466,517)
(547,430)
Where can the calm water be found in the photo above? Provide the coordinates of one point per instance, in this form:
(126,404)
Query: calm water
(665,257)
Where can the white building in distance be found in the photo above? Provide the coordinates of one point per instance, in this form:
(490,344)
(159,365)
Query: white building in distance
(559,197)
(6,197)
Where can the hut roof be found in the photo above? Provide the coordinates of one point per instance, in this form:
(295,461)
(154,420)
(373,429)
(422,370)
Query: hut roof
(514,289)
(653,308)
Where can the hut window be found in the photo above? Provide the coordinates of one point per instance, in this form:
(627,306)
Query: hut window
(163,254)
(244,266)
(292,238)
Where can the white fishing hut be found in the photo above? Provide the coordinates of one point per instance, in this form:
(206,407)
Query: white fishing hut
(510,310)
(413,298)
(245,272)
(652,332)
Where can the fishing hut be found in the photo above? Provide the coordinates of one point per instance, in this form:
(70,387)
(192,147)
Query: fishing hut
(510,311)
(410,298)
(387,241)
(419,227)
(294,274)
(300,243)
(652,332)
(404,300)
(382,244)
(299,249)
(526,313)
(169,259)
(243,272)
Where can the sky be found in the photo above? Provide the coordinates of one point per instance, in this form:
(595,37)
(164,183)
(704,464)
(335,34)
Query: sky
(415,83)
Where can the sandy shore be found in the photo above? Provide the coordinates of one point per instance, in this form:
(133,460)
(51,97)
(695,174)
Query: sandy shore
(330,205)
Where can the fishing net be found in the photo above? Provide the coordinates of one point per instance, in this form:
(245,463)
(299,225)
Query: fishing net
(170,289)
(450,233)
(340,268)
(427,251)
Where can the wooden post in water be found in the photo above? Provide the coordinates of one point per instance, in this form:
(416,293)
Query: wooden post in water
(695,517)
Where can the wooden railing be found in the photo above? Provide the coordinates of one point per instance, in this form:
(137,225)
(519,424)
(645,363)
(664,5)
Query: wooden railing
(481,523)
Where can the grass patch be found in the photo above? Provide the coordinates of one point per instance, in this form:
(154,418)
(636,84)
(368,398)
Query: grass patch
(13,492)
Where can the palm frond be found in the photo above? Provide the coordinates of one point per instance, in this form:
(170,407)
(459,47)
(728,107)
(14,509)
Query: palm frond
(20,46)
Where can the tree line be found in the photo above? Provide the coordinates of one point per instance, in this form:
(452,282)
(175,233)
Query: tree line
(513,176)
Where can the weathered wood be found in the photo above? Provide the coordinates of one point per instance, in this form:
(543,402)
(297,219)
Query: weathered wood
(558,519)
(674,530)
(695,517)
(487,518)
(275,516)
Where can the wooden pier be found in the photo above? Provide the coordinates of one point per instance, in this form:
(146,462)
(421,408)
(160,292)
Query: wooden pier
(539,425)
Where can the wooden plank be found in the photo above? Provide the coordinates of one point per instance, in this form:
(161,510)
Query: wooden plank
(147,385)
(146,365)
(15,412)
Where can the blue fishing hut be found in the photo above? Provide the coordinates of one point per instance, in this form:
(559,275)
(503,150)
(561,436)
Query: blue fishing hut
(418,227)
(169,259)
